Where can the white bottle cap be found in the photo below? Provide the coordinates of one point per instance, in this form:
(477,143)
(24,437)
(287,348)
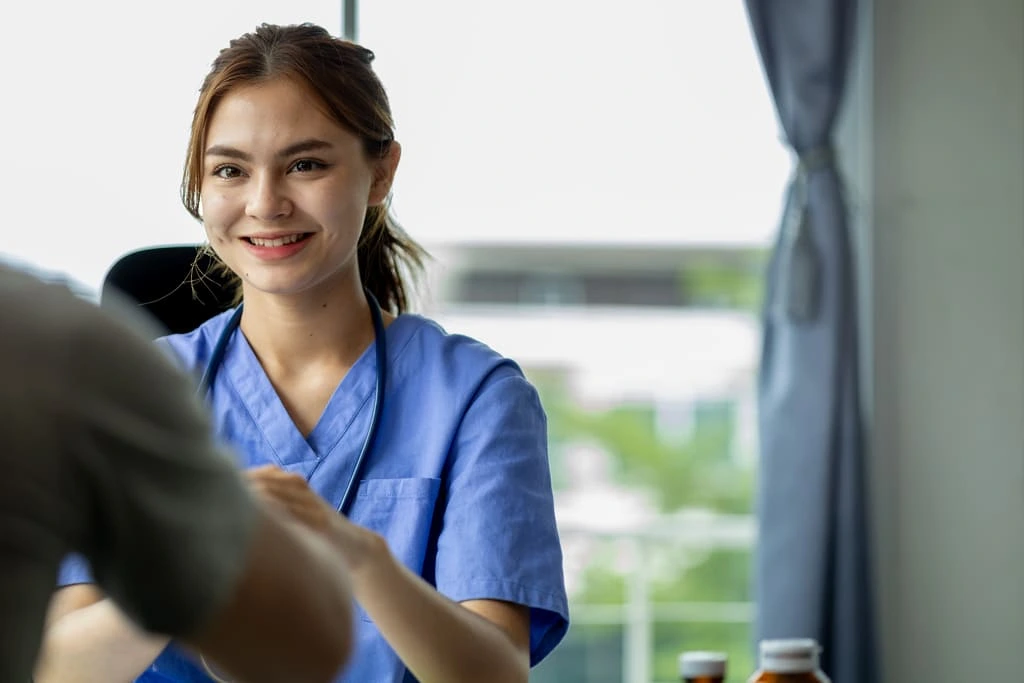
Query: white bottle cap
(693,664)
(789,656)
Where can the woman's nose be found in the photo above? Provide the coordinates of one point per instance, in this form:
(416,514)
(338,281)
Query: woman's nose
(267,200)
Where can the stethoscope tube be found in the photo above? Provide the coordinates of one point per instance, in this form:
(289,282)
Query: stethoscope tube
(381,348)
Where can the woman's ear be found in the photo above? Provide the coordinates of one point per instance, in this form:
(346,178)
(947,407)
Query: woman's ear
(384,174)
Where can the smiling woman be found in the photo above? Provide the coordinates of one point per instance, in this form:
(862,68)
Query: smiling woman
(450,535)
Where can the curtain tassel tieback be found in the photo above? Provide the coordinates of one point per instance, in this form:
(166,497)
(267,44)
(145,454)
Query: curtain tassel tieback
(800,260)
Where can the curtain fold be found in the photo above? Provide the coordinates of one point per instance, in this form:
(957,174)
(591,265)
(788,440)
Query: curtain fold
(813,567)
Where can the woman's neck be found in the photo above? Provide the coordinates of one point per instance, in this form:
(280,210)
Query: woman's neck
(290,334)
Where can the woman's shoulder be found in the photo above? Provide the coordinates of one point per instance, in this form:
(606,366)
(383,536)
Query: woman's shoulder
(192,349)
(454,358)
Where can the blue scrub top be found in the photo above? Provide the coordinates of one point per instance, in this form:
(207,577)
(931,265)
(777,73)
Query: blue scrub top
(458,480)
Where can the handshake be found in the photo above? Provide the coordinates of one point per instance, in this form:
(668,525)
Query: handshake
(291,494)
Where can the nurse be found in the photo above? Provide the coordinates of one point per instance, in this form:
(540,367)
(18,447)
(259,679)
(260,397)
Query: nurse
(432,445)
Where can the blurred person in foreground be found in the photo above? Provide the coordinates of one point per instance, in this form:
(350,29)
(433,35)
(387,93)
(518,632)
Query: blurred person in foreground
(107,452)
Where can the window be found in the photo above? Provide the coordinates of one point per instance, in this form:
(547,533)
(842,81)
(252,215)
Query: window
(599,183)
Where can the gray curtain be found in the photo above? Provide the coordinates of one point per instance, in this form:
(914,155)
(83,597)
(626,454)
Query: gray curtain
(812,567)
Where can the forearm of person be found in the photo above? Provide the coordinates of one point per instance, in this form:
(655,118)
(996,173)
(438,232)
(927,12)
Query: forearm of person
(437,639)
(96,644)
(290,615)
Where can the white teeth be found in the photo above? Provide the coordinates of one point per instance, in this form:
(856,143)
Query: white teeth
(277,242)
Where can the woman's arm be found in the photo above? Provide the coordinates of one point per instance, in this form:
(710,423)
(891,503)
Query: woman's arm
(89,640)
(441,641)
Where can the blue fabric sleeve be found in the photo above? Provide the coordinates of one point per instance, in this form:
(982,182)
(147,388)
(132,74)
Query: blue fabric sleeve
(74,570)
(498,539)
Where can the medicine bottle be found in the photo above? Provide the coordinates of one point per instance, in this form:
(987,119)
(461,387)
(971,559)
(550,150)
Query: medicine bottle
(789,661)
(702,667)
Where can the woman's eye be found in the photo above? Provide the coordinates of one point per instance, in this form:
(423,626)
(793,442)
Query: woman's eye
(308,165)
(227,172)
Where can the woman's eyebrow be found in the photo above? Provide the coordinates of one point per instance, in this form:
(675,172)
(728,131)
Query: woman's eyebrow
(308,145)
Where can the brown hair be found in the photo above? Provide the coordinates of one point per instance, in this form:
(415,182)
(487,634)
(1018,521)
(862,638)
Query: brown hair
(339,75)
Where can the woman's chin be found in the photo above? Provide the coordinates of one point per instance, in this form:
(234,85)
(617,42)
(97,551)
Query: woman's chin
(280,284)
(273,288)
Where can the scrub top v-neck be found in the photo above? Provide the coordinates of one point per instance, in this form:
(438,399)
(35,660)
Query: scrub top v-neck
(253,418)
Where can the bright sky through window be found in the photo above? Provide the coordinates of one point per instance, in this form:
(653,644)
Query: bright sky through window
(567,120)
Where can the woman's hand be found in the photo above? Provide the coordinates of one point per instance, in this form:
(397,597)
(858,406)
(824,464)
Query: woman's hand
(292,492)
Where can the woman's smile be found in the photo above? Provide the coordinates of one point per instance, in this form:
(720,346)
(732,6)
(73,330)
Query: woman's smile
(276,247)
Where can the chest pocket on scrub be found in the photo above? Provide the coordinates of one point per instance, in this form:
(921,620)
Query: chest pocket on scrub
(401,511)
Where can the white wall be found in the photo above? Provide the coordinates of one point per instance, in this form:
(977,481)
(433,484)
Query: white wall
(943,192)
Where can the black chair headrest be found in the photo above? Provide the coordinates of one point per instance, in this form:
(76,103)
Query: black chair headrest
(176,285)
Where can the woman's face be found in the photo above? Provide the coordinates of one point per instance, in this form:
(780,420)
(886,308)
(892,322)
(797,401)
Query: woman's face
(285,190)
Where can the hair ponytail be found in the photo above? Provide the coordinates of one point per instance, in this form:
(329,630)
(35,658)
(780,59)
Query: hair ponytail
(387,256)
